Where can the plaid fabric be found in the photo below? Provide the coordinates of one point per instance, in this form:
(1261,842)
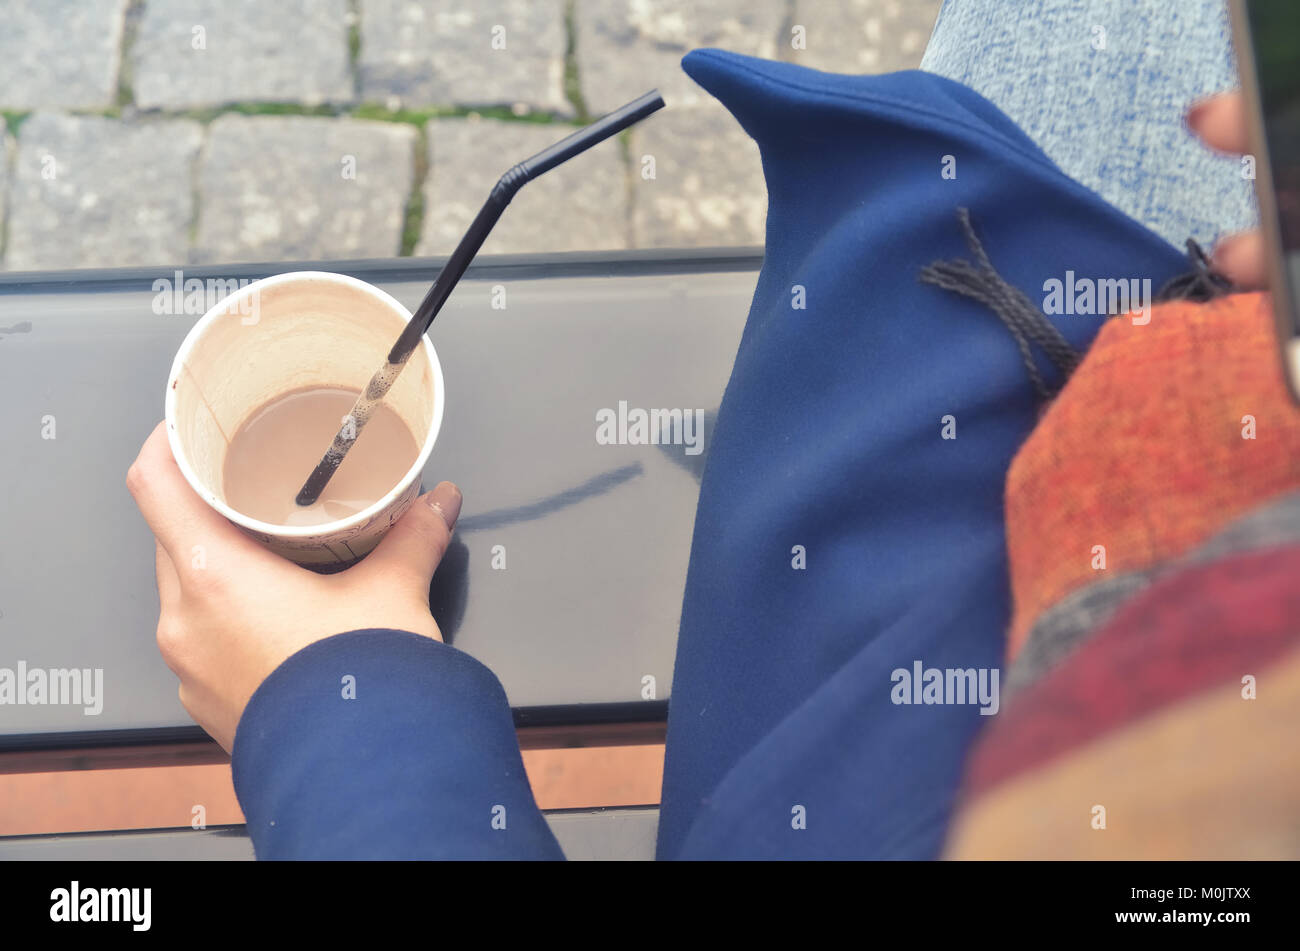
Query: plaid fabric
(1193,630)
(1142,456)
(1066,625)
(1157,694)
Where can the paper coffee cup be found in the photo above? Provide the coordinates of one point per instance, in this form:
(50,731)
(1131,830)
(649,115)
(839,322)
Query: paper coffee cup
(285,333)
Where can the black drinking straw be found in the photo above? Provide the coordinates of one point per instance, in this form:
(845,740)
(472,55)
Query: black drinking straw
(502,192)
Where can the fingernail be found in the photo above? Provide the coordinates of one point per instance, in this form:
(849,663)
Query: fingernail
(1196,114)
(445,500)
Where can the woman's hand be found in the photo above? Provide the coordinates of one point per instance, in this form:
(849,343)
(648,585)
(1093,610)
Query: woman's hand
(231,611)
(1220,121)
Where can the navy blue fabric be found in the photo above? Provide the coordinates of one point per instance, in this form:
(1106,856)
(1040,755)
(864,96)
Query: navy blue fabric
(417,765)
(829,438)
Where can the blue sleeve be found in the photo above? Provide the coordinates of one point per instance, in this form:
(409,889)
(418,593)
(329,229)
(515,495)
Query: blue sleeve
(382,744)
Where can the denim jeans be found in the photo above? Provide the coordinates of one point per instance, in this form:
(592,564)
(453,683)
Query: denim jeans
(1102,86)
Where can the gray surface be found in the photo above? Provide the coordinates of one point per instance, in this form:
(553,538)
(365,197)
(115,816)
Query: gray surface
(321,189)
(59,53)
(228,843)
(599,834)
(596,537)
(101,192)
(420,52)
(607,834)
(247,51)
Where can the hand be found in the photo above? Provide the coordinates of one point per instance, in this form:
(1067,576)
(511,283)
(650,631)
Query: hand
(1220,121)
(227,619)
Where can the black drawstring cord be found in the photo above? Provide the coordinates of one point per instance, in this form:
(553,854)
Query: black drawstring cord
(1201,285)
(982,283)
(1027,323)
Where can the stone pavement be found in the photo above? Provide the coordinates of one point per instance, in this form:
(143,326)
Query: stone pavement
(166,132)
(338,188)
(6,152)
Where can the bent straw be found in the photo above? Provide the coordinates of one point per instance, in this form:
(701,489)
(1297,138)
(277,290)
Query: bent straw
(502,193)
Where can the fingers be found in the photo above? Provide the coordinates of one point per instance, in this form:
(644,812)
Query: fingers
(415,545)
(1242,259)
(179,519)
(1220,121)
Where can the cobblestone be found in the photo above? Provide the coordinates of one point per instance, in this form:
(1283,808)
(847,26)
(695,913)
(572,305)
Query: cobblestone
(87,191)
(862,36)
(283,188)
(60,54)
(489,52)
(6,153)
(708,186)
(625,48)
(205,144)
(198,53)
(582,205)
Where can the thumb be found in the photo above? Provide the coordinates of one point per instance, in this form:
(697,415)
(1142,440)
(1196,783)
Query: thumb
(414,546)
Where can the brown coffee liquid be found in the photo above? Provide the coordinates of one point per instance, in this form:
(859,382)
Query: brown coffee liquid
(276,448)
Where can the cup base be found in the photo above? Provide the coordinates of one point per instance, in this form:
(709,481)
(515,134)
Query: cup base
(332,568)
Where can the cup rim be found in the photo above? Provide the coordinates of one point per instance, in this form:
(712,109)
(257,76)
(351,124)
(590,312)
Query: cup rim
(224,307)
